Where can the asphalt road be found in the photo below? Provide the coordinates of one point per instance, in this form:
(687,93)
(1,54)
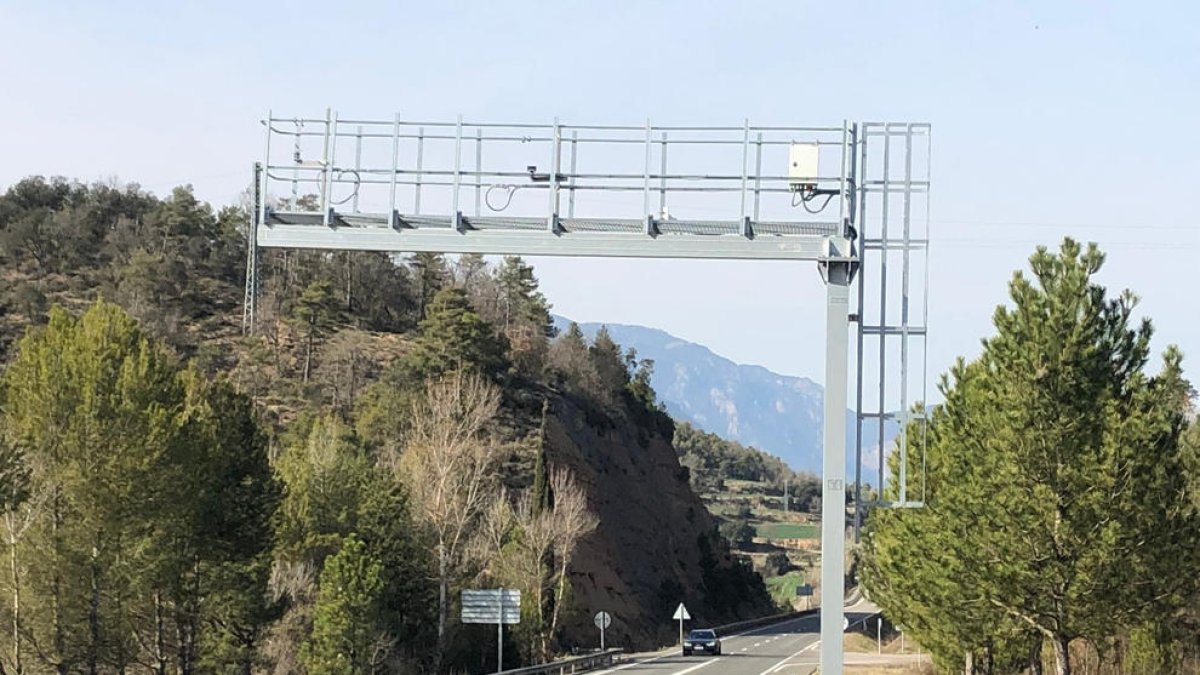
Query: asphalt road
(788,648)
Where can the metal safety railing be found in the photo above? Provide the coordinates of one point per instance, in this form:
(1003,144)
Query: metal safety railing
(426,168)
(575,664)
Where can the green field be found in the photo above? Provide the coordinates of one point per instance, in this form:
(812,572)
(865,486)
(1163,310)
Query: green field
(783,589)
(787,531)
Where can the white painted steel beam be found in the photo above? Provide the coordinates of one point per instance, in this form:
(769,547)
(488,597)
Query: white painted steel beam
(543,243)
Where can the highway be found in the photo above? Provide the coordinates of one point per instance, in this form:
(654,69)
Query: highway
(788,648)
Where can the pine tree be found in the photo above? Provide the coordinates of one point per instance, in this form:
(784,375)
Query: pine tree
(316,314)
(431,274)
(525,314)
(152,495)
(1055,476)
(454,337)
(573,365)
(408,600)
(348,637)
(609,362)
(519,295)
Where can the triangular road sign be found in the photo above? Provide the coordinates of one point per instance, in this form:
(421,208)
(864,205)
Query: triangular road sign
(681,614)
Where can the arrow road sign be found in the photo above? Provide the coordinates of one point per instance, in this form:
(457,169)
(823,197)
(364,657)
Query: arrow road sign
(681,614)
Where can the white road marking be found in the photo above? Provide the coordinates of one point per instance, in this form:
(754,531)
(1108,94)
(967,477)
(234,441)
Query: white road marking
(698,666)
(779,666)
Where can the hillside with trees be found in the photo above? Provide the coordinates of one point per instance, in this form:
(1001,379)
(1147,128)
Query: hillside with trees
(1062,524)
(181,497)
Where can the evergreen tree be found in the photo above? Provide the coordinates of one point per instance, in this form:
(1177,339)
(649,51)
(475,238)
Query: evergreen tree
(315,314)
(348,637)
(454,337)
(326,476)
(525,314)
(222,483)
(609,362)
(519,295)
(430,274)
(573,365)
(150,502)
(1056,481)
(408,600)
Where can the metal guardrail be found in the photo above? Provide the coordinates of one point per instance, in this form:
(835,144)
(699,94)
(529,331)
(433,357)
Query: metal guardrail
(852,597)
(751,624)
(577,664)
(581,664)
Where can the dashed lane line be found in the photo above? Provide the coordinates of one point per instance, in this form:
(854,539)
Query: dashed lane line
(698,666)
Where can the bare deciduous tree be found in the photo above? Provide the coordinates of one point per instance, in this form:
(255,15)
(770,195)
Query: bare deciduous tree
(573,521)
(526,564)
(447,464)
(544,541)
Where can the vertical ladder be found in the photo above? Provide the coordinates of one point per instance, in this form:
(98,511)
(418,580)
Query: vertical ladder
(893,301)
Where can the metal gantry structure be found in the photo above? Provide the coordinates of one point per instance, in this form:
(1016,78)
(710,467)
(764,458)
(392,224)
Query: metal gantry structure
(851,198)
(892,216)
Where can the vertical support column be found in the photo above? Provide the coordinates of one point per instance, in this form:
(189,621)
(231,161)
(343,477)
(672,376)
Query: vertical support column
(358,136)
(858,207)
(555,169)
(646,186)
(743,219)
(838,274)
(478,170)
(500,633)
(884,254)
(420,165)
(455,210)
(662,180)
(904,334)
(757,173)
(257,209)
(393,216)
(571,187)
(331,126)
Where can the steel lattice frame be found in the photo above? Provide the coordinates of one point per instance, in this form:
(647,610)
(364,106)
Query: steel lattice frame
(405,189)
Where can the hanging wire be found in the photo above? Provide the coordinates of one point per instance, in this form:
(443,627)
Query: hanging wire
(339,173)
(510,190)
(803,197)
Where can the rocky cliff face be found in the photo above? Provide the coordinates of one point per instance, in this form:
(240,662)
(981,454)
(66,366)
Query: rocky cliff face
(656,545)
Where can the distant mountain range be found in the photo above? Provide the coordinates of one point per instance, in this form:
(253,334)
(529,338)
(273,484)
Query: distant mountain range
(748,404)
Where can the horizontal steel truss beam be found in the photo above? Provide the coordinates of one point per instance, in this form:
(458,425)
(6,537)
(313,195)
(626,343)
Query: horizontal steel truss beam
(593,238)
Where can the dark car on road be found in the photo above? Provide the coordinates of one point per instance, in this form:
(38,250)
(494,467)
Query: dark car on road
(702,641)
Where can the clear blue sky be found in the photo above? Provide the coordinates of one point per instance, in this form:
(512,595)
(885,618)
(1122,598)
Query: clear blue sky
(1050,118)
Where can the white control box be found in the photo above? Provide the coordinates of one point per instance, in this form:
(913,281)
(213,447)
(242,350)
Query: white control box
(802,165)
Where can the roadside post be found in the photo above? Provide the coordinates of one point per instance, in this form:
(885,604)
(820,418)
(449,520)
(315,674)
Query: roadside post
(497,605)
(603,620)
(682,615)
